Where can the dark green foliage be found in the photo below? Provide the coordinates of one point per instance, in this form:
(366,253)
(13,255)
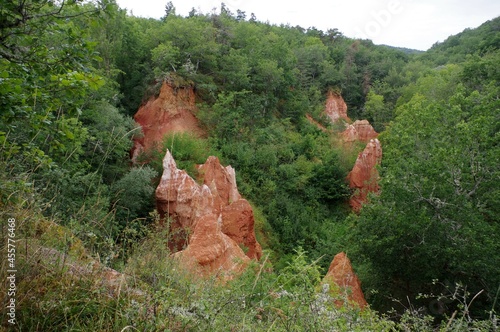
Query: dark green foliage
(437,216)
(108,143)
(376,111)
(455,48)
(134,194)
(58,122)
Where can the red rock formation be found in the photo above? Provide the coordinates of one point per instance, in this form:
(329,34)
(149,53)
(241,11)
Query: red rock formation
(210,222)
(220,180)
(172,111)
(210,251)
(184,200)
(343,282)
(364,175)
(349,135)
(238,223)
(360,130)
(336,107)
(237,214)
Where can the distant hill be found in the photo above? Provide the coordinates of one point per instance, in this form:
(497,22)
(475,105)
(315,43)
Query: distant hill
(455,49)
(404,49)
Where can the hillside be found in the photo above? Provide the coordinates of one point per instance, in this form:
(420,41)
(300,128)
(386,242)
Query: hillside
(405,50)
(455,49)
(214,172)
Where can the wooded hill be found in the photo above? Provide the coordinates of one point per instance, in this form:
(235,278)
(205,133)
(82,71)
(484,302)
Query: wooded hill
(72,75)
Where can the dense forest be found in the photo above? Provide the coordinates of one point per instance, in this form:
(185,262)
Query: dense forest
(426,248)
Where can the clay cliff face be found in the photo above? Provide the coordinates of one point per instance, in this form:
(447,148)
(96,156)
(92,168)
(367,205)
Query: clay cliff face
(336,108)
(210,251)
(360,130)
(364,176)
(172,111)
(344,283)
(211,224)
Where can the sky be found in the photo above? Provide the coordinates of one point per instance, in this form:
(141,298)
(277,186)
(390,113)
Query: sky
(415,24)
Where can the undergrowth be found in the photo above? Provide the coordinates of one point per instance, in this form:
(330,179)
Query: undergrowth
(63,285)
(58,291)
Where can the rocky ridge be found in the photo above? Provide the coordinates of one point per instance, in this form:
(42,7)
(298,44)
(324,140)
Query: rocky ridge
(212,226)
(336,108)
(343,283)
(173,110)
(359,131)
(363,178)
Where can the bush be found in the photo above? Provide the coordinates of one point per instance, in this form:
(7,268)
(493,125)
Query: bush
(134,195)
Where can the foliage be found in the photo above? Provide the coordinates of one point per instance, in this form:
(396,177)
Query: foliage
(40,95)
(437,216)
(187,149)
(456,48)
(164,297)
(108,142)
(59,127)
(134,194)
(376,111)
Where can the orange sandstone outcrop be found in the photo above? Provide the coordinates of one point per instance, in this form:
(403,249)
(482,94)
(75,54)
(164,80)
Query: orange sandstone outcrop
(344,282)
(173,110)
(181,198)
(364,175)
(238,223)
(211,223)
(210,251)
(221,180)
(237,214)
(360,130)
(336,107)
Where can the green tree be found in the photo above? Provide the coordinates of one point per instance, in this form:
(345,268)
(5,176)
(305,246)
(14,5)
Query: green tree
(376,111)
(169,10)
(310,59)
(165,58)
(134,196)
(108,144)
(47,75)
(437,215)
